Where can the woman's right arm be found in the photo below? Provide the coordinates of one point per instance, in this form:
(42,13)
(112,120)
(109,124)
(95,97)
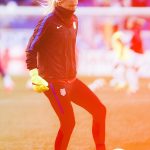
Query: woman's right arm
(35,43)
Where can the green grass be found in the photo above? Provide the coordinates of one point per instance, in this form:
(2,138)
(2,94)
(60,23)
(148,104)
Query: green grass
(28,122)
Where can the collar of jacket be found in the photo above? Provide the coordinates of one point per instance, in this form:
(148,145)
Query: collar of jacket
(65,15)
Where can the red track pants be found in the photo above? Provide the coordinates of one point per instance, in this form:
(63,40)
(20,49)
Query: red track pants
(60,95)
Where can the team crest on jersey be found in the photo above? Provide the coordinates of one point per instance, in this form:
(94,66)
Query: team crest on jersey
(74,25)
(62,92)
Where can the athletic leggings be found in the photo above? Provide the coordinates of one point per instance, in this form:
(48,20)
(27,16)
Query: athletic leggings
(60,95)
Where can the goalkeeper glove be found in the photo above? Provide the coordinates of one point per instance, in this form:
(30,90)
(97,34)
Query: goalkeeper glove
(39,84)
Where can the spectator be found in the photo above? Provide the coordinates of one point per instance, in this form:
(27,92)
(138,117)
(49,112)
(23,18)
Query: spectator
(124,73)
(139,3)
(7,81)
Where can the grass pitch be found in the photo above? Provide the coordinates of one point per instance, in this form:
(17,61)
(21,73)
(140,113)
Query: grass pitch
(28,122)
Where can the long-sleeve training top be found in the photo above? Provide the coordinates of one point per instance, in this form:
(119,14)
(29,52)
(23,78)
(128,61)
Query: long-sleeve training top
(51,48)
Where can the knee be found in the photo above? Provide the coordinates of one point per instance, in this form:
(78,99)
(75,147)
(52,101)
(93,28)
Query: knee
(100,112)
(68,125)
(103,109)
(71,124)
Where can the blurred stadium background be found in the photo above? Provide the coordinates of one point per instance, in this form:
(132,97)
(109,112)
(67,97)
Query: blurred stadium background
(27,121)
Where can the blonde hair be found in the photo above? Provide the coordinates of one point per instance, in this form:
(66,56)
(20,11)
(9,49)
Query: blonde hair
(49,5)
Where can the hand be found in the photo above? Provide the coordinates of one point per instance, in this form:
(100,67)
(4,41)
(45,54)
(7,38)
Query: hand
(38,83)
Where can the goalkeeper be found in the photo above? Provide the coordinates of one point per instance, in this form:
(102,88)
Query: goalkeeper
(50,57)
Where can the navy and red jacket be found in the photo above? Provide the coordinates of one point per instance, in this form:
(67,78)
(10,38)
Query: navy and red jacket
(51,48)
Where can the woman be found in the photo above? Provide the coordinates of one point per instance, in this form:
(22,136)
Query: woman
(51,61)
(7,80)
(125,68)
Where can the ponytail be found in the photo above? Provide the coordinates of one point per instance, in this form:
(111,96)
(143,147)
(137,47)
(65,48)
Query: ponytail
(49,5)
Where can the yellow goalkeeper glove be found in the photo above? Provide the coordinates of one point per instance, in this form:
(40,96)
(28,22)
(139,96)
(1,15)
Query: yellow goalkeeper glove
(39,84)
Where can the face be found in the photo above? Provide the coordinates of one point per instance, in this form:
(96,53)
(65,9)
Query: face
(68,4)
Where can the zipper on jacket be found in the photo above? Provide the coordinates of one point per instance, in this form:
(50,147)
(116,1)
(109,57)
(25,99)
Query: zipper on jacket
(69,53)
